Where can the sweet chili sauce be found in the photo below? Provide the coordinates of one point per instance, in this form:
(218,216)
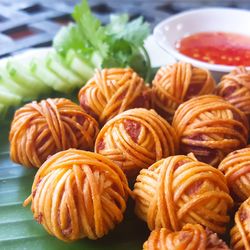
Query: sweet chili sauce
(217,48)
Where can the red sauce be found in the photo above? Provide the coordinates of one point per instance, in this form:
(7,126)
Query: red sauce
(217,48)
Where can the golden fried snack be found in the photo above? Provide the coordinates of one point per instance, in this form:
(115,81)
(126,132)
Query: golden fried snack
(177,83)
(112,91)
(39,130)
(135,139)
(235,88)
(240,233)
(191,237)
(210,127)
(236,167)
(180,190)
(77,194)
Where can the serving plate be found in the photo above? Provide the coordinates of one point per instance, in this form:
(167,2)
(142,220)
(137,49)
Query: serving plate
(18,229)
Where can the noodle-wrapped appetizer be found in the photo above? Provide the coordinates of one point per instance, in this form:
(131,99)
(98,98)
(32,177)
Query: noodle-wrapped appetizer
(177,83)
(77,194)
(235,88)
(180,190)
(112,91)
(240,233)
(191,237)
(135,139)
(210,127)
(236,167)
(39,130)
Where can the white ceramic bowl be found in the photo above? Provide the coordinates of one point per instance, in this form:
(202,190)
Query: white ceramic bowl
(172,29)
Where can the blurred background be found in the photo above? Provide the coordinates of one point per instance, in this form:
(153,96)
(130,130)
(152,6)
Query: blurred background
(33,23)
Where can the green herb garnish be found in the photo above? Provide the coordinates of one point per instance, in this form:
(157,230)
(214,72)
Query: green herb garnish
(117,44)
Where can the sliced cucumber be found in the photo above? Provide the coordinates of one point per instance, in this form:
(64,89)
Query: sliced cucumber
(21,74)
(8,98)
(79,65)
(55,64)
(7,82)
(96,60)
(43,73)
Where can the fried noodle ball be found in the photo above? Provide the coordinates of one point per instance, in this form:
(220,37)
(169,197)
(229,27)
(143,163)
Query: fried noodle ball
(179,190)
(240,233)
(77,194)
(191,237)
(177,83)
(235,88)
(135,139)
(112,91)
(39,130)
(210,127)
(236,167)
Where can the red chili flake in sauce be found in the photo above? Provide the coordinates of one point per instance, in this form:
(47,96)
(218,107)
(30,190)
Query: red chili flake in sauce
(217,48)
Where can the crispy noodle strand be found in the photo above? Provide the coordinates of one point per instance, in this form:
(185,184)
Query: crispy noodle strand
(39,130)
(179,190)
(177,83)
(210,127)
(240,233)
(135,139)
(77,194)
(235,88)
(112,91)
(191,237)
(236,167)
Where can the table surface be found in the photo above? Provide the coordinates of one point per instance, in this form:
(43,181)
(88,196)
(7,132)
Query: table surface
(33,23)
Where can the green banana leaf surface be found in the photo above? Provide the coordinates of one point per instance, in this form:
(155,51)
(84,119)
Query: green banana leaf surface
(18,229)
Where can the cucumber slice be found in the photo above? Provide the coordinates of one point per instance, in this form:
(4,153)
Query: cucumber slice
(8,98)
(7,82)
(97,60)
(55,64)
(22,75)
(44,74)
(79,65)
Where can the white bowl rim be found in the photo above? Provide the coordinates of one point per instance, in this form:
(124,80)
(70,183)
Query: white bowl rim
(179,56)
